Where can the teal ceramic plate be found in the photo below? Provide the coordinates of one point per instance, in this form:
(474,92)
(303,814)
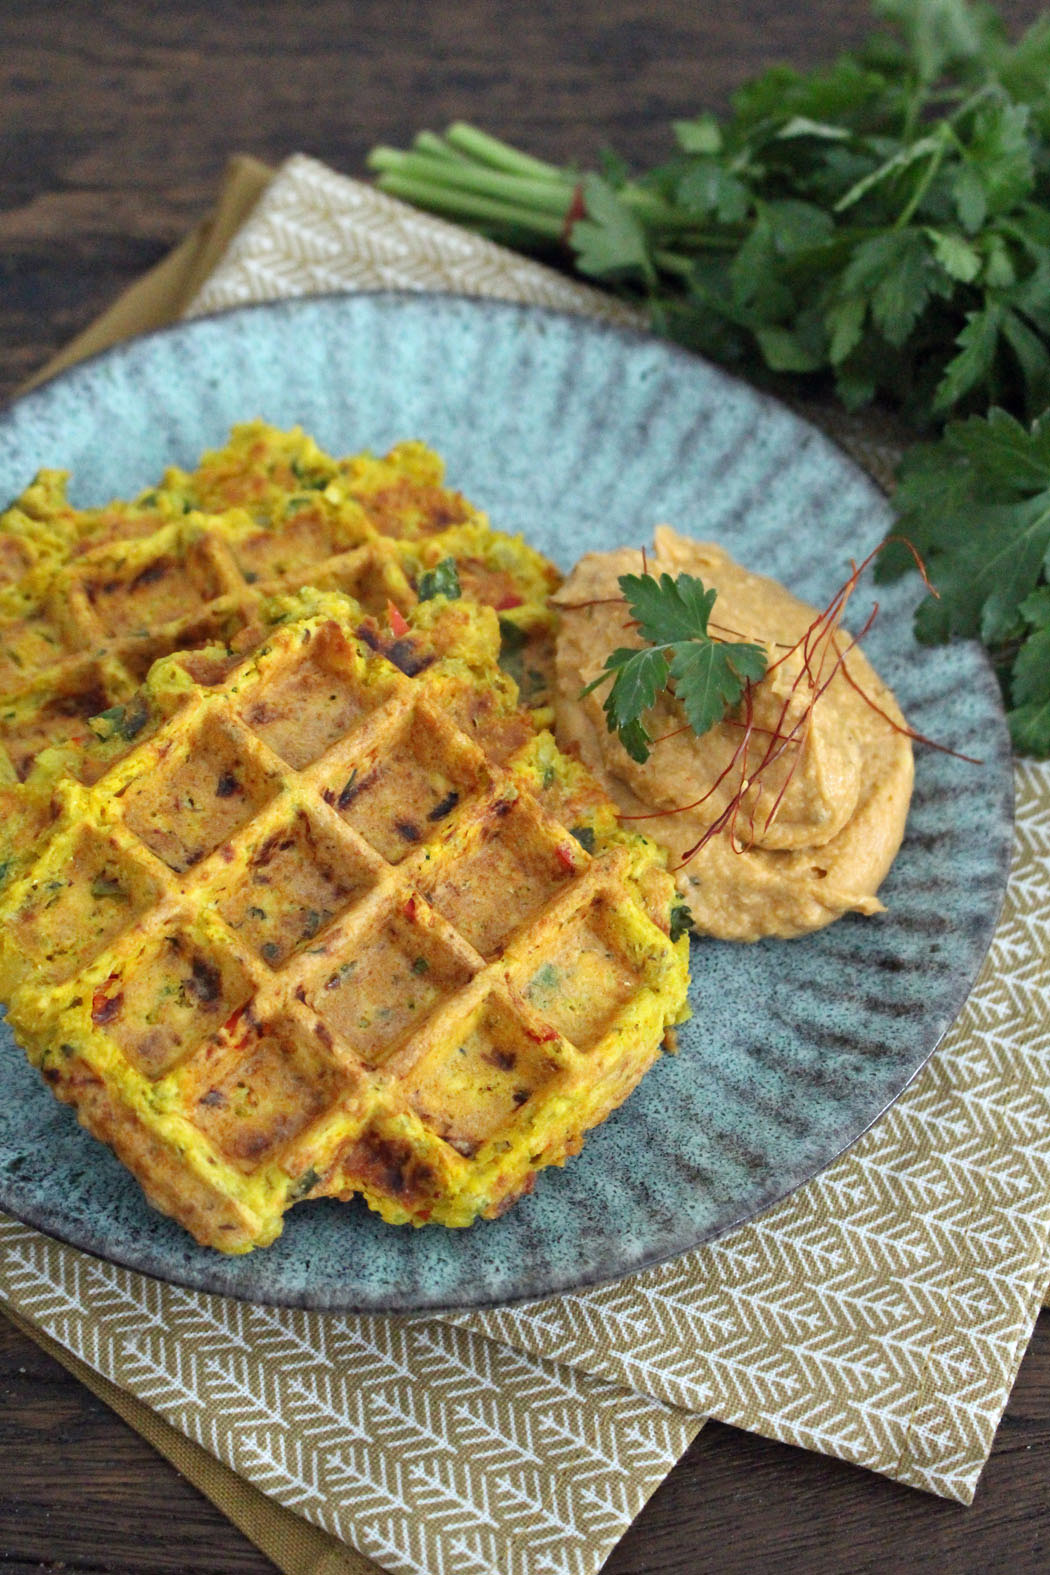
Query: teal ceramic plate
(581,437)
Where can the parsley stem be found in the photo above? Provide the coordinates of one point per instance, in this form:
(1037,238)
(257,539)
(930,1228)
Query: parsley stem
(467,205)
(673,262)
(923,185)
(467,139)
(449,182)
(430,142)
(916,105)
(543,195)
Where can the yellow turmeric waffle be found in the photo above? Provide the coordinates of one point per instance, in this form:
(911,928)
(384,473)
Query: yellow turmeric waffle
(42,530)
(81,628)
(263,469)
(269,473)
(323,932)
(28,806)
(111,612)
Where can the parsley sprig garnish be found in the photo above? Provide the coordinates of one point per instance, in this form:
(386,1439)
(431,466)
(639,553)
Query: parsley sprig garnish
(878,229)
(708,675)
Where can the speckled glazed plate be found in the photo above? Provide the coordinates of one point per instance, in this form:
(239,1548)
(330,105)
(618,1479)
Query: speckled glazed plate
(581,437)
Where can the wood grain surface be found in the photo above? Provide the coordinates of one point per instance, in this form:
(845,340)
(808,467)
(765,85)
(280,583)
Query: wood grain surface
(116,119)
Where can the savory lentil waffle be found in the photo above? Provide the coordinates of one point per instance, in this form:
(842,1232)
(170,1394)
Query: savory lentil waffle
(268,472)
(102,593)
(28,806)
(341,922)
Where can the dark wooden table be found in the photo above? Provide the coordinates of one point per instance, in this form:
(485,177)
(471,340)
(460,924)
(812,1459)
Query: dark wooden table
(115,122)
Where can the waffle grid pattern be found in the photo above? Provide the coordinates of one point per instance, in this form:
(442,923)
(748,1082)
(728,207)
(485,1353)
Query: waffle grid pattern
(331,944)
(131,590)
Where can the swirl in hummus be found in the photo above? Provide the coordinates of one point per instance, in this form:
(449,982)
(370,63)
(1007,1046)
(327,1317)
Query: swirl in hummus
(840,822)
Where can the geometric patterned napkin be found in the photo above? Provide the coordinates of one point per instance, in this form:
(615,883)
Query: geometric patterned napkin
(878,1314)
(881,1312)
(429,1448)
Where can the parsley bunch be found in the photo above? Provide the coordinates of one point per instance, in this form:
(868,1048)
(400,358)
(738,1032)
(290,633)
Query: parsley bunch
(878,230)
(881,225)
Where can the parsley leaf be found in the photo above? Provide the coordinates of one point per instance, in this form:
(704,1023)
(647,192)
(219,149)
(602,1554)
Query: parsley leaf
(681,919)
(668,609)
(977,507)
(1030,717)
(709,675)
(978,343)
(441,580)
(611,238)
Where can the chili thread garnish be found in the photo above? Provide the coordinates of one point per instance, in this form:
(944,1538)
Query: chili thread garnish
(816,646)
(908,732)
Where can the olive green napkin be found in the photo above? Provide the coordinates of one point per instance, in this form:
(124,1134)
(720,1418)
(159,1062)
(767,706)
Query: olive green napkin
(878,1314)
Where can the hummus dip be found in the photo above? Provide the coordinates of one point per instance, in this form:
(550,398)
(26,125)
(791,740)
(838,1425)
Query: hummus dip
(839,824)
